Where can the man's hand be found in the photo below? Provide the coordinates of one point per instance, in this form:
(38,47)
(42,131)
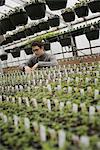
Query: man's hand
(27,69)
(35,66)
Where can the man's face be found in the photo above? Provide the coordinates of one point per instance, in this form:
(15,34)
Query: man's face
(38,51)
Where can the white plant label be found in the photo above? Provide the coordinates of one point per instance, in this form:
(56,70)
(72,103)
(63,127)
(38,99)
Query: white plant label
(61,138)
(84,140)
(96,94)
(49,105)
(42,133)
(91,110)
(27,123)
(75,108)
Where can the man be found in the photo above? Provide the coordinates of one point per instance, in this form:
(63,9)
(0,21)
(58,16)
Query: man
(39,59)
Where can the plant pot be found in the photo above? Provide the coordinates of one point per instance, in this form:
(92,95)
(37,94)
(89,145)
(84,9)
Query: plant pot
(7,25)
(78,31)
(94,6)
(52,39)
(64,39)
(56,4)
(3,57)
(28,32)
(28,51)
(47,46)
(82,11)
(36,10)
(21,35)
(19,18)
(15,52)
(68,16)
(35,28)
(9,40)
(15,37)
(2,2)
(54,21)
(43,26)
(92,34)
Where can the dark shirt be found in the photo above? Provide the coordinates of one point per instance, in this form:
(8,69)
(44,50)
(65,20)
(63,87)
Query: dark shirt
(46,60)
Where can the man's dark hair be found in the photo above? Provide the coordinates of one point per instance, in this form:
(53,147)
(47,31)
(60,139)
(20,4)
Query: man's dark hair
(39,44)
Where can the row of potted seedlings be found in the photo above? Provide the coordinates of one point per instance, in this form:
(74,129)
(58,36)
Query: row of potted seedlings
(56,114)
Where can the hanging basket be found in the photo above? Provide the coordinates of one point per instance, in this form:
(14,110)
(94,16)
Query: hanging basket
(3,57)
(64,39)
(68,16)
(47,46)
(81,11)
(9,40)
(36,10)
(35,28)
(52,39)
(92,34)
(28,51)
(54,21)
(94,6)
(28,32)
(15,52)
(43,26)
(15,37)
(78,31)
(56,4)
(2,2)
(19,18)
(21,35)
(7,25)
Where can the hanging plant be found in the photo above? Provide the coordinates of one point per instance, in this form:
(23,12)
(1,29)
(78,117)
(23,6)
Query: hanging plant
(28,31)
(18,17)
(64,39)
(81,9)
(15,37)
(3,56)
(47,46)
(54,21)
(56,4)
(44,25)
(94,5)
(9,40)
(68,15)
(15,52)
(35,9)
(21,34)
(28,51)
(35,28)
(6,24)
(2,2)
(92,33)
(77,31)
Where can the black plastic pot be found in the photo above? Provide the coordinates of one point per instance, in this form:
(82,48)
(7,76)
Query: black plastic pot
(68,16)
(28,32)
(28,51)
(7,25)
(21,35)
(2,2)
(43,26)
(94,6)
(15,52)
(47,46)
(35,28)
(64,39)
(19,18)
(78,31)
(36,10)
(56,4)
(82,11)
(52,39)
(15,37)
(9,40)
(3,56)
(54,21)
(92,34)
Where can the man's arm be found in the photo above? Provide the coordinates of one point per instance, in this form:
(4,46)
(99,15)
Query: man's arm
(52,62)
(27,65)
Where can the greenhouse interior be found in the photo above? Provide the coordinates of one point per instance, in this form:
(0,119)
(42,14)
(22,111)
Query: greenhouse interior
(52,107)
